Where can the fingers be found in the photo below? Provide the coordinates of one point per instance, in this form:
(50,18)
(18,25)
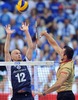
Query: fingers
(43,33)
(24,26)
(9,26)
(21,28)
(25,23)
(8,29)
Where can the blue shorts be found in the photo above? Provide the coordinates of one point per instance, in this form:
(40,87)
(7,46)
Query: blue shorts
(23,96)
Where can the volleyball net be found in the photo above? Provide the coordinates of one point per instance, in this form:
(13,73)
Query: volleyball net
(43,76)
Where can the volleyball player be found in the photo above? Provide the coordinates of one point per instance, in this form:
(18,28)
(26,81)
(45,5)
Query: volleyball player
(65,73)
(19,75)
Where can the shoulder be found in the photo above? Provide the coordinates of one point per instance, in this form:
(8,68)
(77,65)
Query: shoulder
(68,66)
(70,63)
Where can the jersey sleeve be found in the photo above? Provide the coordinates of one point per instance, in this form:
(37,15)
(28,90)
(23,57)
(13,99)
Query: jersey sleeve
(66,69)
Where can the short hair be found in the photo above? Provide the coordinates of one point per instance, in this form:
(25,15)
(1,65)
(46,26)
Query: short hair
(69,52)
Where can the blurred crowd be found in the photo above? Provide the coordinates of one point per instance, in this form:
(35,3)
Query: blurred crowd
(58,17)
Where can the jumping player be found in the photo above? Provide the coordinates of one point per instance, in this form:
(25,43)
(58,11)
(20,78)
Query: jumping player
(65,73)
(19,75)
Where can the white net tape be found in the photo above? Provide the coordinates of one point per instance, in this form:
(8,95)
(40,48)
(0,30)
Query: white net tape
(28,63)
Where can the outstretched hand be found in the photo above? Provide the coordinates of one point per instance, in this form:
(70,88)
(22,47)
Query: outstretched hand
(8,29)
(38,93)
(43,33)
(24,27)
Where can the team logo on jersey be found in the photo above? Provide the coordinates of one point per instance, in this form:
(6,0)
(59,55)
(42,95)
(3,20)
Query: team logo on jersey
(18,67)
(17,63)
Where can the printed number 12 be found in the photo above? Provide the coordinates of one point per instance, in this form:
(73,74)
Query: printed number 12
(21,77)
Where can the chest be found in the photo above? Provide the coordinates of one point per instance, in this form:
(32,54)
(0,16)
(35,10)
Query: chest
(18,69)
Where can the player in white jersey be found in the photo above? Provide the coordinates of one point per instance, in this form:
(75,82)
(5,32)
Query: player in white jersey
(19,75)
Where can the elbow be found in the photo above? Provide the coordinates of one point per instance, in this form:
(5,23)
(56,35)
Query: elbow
(59,85)
(6,51)
(31,46)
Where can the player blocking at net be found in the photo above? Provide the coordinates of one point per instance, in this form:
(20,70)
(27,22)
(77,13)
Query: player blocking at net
(19,75)
(65,73)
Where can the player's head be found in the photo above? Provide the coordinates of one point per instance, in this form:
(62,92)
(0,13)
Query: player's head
(68,53)
(16,55)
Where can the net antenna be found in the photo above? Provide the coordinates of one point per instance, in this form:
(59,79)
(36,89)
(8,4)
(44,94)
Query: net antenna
(35,67)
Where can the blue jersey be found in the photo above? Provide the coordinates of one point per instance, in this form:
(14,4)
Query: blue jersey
(20,78)
(54,7)
(40,7)
(5,19)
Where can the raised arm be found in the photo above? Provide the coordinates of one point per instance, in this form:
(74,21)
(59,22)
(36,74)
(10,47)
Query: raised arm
(29,41)
(52,42)
(7,43)
(62,78)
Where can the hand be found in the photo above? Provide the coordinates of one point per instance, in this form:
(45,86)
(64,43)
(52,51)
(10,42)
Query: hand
(39,93)
(43,33)
(8,29)
(34,93)
(24,27)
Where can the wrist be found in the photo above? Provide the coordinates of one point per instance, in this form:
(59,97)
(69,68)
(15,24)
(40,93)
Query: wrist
(45,33)
(43,94)
(26,31)
(8,35)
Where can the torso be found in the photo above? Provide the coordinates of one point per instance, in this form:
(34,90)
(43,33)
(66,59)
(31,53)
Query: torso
(67,67)
(20,78)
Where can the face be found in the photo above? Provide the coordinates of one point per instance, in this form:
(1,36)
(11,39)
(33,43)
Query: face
(49,77)
(66,21)
(46,48)
(33,12)
(16,55)
(75,45)
(45,11)
(46,87)
(64,57)
(60,11)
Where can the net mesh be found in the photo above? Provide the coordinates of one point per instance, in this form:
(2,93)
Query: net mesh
(43,76)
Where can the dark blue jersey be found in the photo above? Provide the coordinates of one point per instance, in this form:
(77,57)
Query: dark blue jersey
(20,78)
